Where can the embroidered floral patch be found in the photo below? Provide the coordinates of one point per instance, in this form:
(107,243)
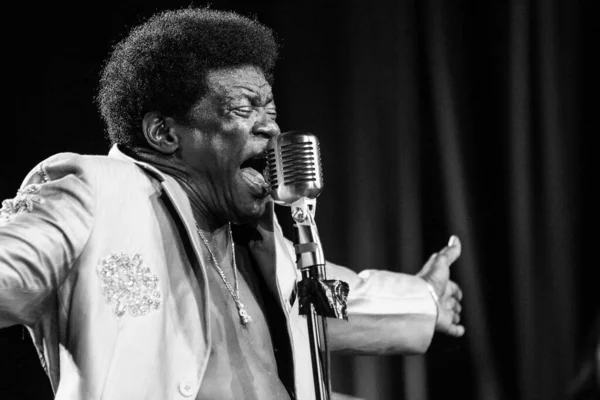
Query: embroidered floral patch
(128,285)
(23,202)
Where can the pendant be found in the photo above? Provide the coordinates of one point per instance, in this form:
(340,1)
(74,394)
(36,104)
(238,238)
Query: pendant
(244,316)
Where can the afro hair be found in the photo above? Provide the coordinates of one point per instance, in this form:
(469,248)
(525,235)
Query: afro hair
(162,65)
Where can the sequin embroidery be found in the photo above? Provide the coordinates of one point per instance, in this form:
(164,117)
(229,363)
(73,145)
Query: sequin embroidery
(42,173)
(23,202)
(128,285)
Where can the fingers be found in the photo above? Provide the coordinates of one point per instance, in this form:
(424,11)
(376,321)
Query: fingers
(456,330)
(456,318)
(454,290)
(436,272)
(449,318)
(457,308)
(452,304)
(452,309)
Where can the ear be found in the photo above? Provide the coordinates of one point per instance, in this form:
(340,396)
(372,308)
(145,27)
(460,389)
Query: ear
(159,132)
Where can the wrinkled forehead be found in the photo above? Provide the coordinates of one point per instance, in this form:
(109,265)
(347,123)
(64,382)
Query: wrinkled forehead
(238,80)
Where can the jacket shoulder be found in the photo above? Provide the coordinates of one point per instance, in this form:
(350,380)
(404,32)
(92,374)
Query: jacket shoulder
(93,169)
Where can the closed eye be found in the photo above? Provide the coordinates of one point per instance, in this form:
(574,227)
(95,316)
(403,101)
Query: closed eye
(247,111)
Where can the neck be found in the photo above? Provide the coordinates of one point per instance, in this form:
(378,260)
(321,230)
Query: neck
(218,239)
(210,224)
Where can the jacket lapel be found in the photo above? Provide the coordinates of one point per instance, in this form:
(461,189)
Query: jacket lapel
(183,208)
(273,254)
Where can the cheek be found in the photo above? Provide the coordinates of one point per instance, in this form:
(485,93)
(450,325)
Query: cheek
(214,151)
(230,144)
(196,152)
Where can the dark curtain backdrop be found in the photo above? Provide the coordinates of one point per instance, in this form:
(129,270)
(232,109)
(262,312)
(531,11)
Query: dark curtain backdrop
(435,118)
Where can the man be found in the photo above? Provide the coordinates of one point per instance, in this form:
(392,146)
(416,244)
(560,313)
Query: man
(160,271)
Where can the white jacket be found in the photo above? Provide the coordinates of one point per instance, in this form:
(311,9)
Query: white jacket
(79,219)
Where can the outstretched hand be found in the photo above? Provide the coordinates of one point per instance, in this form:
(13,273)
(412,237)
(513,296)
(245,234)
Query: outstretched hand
(436,272)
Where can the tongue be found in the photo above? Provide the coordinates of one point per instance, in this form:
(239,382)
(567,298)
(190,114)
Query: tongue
(253,177)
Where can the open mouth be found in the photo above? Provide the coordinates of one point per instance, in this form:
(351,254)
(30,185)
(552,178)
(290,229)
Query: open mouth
(257,163)
(254,172)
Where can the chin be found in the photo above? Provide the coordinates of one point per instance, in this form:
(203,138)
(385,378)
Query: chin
(251,211)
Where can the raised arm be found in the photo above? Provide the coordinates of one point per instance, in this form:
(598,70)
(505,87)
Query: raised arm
(393,312)
(42,232)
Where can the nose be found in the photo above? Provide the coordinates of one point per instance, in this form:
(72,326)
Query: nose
(266,126)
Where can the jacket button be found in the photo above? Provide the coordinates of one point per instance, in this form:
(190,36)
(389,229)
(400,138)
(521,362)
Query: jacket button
(186,388)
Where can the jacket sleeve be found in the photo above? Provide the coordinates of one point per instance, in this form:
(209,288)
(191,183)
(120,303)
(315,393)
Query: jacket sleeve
(388,312)
(43,230)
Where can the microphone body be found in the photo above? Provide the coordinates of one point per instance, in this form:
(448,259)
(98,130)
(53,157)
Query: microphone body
(294,175)
(295,179)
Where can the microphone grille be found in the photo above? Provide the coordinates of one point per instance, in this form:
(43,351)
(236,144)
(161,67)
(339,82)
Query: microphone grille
(298,160)
(272,169)
(294,167)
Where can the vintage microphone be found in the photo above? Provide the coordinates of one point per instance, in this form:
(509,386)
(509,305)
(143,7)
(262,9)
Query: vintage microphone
(295,180)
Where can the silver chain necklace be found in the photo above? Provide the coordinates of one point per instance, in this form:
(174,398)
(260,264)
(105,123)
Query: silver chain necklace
(244,316)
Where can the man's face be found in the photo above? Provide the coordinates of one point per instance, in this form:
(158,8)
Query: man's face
(230,126)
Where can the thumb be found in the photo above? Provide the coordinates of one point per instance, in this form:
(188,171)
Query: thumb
(452,251)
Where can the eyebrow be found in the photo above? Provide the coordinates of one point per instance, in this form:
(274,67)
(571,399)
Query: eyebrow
(251,94)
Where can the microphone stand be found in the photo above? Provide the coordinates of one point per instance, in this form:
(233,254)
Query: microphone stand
(311,262)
